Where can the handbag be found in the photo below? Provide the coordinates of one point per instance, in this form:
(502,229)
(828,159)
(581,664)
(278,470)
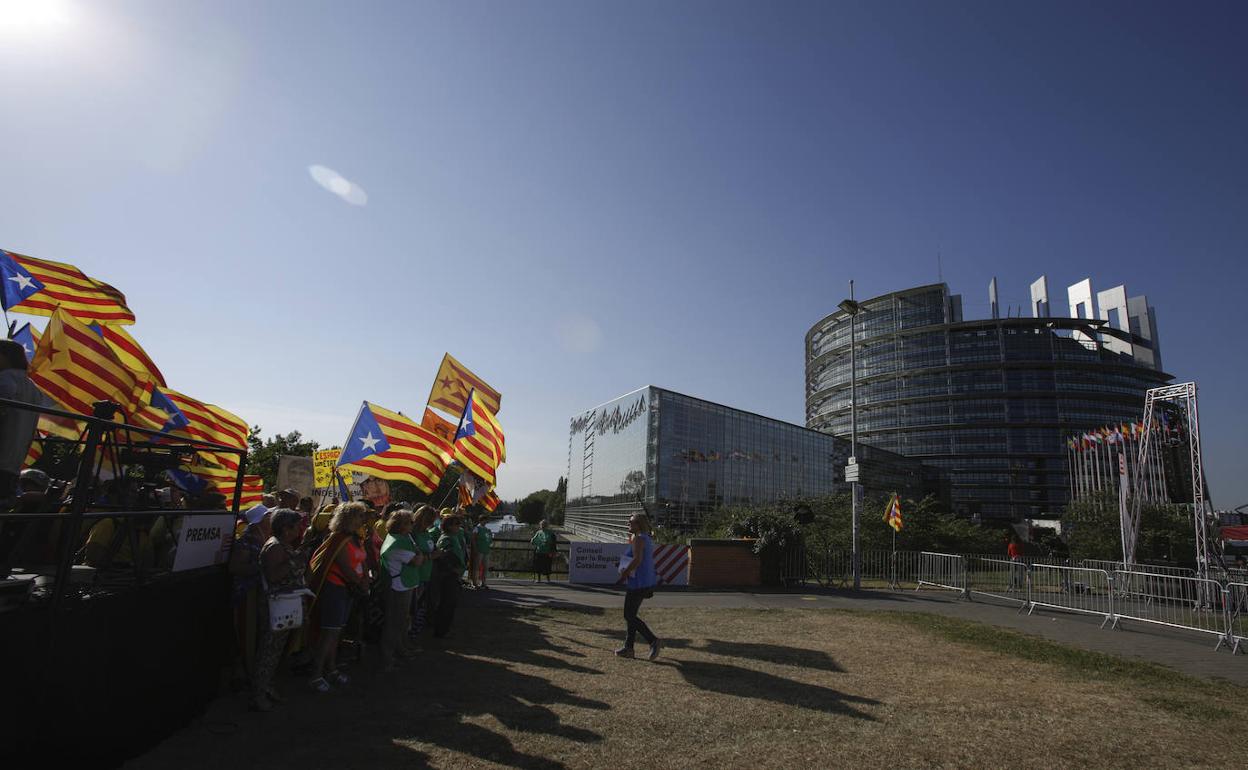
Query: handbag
(286,610)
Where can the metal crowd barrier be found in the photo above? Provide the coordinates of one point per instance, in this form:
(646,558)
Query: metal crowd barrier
(943,570)
(514,555)
(1237,615)
(1073,589)
(999,578)
(1188,603)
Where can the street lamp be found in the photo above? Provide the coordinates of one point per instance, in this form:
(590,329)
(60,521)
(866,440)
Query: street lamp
(852,308)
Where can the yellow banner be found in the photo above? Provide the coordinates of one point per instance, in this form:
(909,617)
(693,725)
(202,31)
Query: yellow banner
(323,463)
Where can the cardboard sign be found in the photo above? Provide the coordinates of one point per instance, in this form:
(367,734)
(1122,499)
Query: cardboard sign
(296,473)
(203,541)
(323,463)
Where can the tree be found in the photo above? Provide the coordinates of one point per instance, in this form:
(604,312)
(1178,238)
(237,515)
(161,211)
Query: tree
(263,457)
(1166,532)
(532,509)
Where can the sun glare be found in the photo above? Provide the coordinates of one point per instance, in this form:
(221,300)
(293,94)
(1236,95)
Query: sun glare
(34,17)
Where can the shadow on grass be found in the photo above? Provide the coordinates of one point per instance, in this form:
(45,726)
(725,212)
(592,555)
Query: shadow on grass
(773,653)
(747,683)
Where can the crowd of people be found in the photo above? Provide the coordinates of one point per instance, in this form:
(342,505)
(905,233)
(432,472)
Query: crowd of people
(362,574)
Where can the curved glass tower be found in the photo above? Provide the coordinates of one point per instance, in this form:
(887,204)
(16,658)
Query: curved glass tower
(989,401)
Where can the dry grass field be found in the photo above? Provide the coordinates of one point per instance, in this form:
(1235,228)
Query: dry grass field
(522,687)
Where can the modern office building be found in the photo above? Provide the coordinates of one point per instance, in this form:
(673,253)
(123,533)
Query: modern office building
(990,401)
(684,457)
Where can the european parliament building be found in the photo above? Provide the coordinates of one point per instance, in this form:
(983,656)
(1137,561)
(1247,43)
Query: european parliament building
(681,457)
(989,401)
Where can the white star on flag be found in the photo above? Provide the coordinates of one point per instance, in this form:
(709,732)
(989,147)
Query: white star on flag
(23,281)
(370,443)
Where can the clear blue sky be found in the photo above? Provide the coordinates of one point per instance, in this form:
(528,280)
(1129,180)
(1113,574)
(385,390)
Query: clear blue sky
(580,198)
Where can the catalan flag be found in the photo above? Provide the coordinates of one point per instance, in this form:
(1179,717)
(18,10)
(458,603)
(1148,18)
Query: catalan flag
(490,501)
(453,384)
(892,513)
(75,368)
(439,425)
(222,481)
(479,444)
(389,445)
(197,420)
(128,351)
(28,338)
(39,287)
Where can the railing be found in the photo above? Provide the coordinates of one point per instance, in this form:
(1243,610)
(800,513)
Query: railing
(998,578)
(102,432)
(1072,589)
(943,570)
(513,555)
(1237,615)
(1189,603)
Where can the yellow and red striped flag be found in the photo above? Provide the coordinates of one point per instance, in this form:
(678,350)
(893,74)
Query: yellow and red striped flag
(392,446)
(480,445)
(128,351)
(224,481)
(76,368)
(40,286)
(439,425)
(892,513)
(490,501)
(453,384)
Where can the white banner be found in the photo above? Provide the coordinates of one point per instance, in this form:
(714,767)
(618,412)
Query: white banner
(203,541)
(599,563)
(595,562)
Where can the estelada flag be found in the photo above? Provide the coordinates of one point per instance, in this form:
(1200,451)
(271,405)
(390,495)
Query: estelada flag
(75,368)
(40,286)
(129,351)
(28,338)
(391,446)
(439,425)
(892,513)
(479,444)
(453,384)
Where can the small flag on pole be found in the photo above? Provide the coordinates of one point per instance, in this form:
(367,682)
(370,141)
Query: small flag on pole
(892,513)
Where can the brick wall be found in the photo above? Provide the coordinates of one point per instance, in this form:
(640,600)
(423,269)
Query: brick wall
(723,564)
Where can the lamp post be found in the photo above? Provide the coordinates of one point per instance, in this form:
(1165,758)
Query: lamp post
(853,308)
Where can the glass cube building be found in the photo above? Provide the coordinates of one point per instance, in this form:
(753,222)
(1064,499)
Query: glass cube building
(683,457)
(991,401)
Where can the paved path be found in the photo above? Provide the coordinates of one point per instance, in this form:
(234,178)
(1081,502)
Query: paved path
(1189,652)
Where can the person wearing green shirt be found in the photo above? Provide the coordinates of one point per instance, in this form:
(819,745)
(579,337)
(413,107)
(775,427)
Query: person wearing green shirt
(543,552)
(482,541)
(401,560)
(446,577)
(425,535)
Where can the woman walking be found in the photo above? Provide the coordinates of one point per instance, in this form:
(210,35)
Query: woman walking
(543,552)
(283,566)
(338,573)
(638,567)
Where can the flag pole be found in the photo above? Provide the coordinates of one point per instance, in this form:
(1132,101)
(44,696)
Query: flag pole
(458,427)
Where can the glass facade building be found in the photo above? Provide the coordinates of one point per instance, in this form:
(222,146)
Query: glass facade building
(990,402)
(685,457)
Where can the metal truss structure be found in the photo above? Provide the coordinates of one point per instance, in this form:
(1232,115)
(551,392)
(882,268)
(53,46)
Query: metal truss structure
(1182,399)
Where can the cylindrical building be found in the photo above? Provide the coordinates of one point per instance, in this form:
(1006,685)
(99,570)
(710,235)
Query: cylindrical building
(991,401)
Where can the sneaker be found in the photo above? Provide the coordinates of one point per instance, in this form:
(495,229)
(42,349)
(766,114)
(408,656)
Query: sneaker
(624,652)
(654,650)
(338,678)
(319,684)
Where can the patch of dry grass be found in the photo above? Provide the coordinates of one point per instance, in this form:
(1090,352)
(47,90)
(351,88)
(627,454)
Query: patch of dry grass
(735,688)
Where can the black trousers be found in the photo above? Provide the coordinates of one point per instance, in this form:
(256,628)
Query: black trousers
(446,599)
(632,603)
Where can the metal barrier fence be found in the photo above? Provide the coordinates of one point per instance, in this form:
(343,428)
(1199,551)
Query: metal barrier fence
(943,570)
(1237,615)
(1156,569)
(513,555)
(998,578)
(1188,603)
(1073,589)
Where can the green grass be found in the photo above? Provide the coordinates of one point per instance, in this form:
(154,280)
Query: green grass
(1074,661)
